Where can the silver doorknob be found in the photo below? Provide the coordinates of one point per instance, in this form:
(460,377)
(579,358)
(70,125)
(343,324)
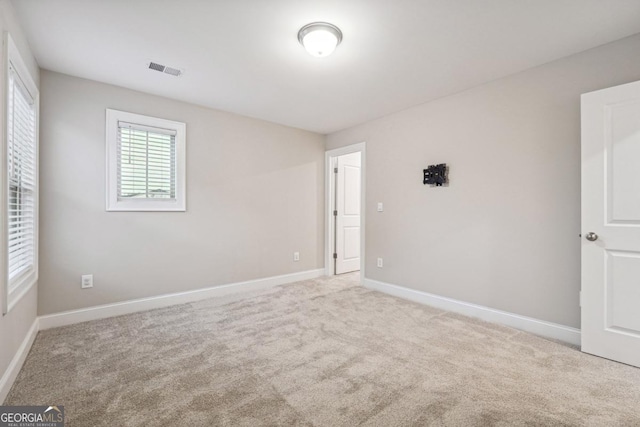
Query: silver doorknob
(591,236)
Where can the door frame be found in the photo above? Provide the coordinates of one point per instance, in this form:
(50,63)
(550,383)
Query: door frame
(329,185)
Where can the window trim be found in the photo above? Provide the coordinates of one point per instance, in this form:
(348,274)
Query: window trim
(24,282)
(143,205)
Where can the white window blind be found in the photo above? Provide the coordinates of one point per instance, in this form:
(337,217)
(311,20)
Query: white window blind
(146,162)
(21,168)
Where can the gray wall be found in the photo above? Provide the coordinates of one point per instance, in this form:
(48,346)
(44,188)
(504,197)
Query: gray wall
(504,234)
(255,194)
(15,324)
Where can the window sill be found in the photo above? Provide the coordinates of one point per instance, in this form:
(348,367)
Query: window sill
(146,206)
(23,288)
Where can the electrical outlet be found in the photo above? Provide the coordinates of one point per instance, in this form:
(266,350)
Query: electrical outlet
(379,262)
(87,281)
(296,256)
(380,207)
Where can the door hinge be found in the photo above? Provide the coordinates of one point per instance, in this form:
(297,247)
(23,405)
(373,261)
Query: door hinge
(580,298)
(335,170)
(335,213)
(335,256)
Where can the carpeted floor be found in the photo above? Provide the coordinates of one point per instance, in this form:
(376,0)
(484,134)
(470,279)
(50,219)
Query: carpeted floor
(323,352)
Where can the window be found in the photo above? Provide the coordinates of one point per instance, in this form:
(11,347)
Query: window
(20,177)
(146,163)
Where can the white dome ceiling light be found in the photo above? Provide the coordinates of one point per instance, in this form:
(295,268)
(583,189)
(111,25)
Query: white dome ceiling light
(320,38)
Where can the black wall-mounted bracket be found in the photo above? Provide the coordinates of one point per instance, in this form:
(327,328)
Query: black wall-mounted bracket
(435,175)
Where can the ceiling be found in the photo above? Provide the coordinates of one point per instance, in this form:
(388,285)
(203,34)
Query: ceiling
(243,56)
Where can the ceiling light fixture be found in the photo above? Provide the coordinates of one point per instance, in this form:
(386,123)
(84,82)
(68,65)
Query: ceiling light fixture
(320,38)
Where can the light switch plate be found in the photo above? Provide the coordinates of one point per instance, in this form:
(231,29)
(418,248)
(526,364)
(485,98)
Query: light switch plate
(87,281)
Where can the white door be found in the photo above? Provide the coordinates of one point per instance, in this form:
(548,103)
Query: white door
(347,218)
(611,223)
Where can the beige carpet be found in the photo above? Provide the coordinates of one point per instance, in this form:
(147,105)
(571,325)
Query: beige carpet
(323,352)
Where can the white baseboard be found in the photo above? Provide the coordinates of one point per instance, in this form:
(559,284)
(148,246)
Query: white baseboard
(126,307)
(528,324)
(14,367)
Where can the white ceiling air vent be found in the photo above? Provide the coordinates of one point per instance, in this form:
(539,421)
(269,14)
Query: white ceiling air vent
(172,71)
(157,67)
(164,69)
